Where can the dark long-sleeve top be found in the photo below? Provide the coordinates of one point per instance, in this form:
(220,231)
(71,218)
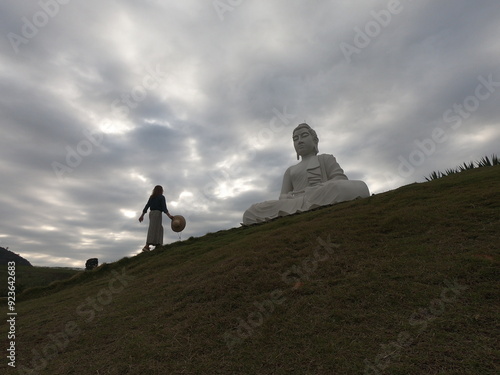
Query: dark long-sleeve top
(157,203)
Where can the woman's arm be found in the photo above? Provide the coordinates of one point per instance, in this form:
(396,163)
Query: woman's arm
(164,207)
(141,218)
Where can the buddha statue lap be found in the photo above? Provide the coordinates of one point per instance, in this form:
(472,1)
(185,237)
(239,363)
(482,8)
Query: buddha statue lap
(317,180)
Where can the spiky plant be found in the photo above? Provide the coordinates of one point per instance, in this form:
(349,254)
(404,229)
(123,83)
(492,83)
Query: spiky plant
(449,171)
(484,162)
(466,166)
(487,162)
(434,175)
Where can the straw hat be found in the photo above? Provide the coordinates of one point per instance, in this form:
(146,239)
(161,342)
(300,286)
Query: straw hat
(178,223)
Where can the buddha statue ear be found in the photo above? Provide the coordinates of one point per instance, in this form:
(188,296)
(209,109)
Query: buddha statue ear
(297,156)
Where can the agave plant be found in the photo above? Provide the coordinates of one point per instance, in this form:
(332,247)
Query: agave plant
(449,171)
(484,162)
(434,175)
(487,162)
(466,166)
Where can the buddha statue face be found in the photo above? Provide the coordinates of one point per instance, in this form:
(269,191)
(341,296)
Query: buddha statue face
(305,140)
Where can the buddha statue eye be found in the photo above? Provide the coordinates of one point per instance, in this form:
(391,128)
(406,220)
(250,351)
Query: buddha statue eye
(302,135)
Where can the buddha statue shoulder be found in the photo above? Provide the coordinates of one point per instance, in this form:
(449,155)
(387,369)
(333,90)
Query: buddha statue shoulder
(317,180)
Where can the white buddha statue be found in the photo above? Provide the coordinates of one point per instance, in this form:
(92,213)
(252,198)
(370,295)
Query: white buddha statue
(317,180)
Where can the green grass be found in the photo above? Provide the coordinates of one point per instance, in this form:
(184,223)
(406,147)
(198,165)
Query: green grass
(34,277)
(404,282)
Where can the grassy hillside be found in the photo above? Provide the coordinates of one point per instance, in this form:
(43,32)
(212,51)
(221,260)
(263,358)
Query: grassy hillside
(32,277)
(404,282)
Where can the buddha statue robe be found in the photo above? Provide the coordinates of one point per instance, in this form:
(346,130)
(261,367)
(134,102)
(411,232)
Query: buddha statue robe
(315,182)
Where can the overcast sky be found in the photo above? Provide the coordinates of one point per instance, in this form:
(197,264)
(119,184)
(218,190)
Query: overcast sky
(102,100)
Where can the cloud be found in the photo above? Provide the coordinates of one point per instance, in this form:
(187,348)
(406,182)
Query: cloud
(122,96)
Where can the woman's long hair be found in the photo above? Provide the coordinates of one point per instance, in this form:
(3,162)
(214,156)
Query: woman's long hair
(158,190)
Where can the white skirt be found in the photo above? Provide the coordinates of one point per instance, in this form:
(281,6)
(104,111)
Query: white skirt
(155,230)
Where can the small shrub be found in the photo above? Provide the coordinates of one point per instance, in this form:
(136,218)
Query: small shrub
(484,162)
(487,162)
(465,166)
(434,176)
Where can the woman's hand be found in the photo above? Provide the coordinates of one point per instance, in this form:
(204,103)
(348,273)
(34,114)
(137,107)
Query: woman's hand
(141,218)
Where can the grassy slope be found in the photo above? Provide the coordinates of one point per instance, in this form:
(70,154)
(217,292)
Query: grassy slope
(380,296)
(31,277)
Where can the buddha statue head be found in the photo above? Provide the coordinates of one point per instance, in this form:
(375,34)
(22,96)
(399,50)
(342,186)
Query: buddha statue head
(305,140)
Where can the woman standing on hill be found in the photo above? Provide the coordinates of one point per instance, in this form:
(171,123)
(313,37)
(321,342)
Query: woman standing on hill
(157,205)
